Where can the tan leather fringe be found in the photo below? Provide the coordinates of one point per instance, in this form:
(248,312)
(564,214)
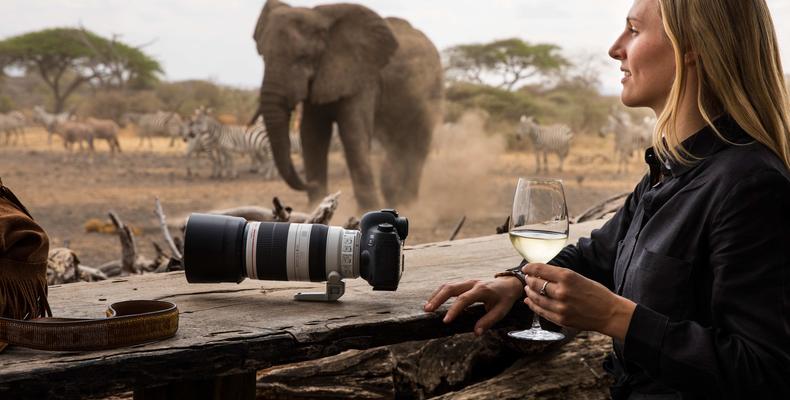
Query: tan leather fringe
(23,299)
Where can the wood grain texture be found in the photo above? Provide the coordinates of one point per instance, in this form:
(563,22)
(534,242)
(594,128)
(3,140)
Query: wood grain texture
(235,328)
(458,367)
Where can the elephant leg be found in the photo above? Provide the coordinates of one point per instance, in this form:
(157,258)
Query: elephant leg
(315,131)
(355,123)
(407,150)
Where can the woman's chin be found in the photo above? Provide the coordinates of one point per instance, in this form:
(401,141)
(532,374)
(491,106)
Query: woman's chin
(629,100)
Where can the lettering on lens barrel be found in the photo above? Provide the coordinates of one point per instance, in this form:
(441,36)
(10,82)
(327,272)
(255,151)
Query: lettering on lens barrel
(220,248)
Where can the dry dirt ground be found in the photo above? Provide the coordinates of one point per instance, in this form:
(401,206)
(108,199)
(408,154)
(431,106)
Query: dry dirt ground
(468,174)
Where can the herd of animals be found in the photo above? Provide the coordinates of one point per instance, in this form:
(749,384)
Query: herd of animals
(204,134)
(353,72)
(630,135)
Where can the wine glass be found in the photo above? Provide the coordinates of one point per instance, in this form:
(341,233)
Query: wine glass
(538,230)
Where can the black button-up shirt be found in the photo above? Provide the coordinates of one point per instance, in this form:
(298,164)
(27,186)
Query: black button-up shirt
(704,251)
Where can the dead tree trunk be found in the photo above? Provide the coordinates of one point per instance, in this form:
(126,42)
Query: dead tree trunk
(572,372)
(322,214)
(131,262)
(461,366)
(128,246)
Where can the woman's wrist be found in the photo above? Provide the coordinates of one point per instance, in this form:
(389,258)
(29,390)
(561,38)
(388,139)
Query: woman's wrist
(515,288)
(620,318)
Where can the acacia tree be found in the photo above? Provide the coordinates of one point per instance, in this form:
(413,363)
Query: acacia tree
(511,60)
(67,58)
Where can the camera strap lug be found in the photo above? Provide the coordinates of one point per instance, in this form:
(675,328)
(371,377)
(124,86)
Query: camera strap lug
(335,287)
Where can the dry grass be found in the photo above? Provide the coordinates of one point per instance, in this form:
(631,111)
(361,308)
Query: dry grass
(469,173)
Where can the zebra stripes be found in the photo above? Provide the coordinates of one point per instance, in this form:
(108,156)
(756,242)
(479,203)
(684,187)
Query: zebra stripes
(159,123)
(546,139)
(628,136)
(221,142)
(13,124)
(49,121)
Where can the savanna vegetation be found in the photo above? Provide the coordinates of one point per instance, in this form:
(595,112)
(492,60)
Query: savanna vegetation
(76,70)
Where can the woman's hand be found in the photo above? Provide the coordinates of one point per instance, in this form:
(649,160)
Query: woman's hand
(498,296)
(574,301)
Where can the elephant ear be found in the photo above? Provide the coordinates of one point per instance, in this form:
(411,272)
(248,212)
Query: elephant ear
(359,45)
(267,9)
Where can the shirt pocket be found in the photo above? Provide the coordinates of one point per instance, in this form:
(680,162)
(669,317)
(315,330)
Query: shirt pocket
(662,283)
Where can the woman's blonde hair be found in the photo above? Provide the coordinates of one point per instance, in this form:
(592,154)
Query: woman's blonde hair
(739,70)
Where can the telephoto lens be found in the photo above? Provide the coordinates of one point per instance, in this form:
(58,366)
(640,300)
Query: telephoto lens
(220,248)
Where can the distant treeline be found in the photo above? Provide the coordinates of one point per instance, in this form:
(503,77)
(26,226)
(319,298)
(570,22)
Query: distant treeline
(183,97)
(73,69)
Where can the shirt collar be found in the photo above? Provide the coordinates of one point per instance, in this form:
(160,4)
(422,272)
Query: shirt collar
(700,145)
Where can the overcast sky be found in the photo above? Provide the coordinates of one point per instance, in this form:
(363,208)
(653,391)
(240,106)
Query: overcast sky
(212,39)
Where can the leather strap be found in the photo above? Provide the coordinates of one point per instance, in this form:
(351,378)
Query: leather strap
(128,323)
(514,272)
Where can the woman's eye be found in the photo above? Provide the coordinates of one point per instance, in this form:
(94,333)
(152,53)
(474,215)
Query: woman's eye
(632,30)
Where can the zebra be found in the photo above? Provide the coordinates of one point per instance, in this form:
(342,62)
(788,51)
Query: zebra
(198,144)
(220,142)
(628,136)
(546,139)
(49,120)
(158,123)
(105,129)
(13,124)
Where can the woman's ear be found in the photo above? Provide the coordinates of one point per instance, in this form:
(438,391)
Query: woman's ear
(690,58)
(359,44)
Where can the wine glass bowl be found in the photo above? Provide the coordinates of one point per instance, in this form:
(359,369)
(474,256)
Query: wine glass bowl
(538,230)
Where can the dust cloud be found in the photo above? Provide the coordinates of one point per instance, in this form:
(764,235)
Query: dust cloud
(459,176)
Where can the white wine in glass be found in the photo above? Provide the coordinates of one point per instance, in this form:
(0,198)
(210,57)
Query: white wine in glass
(538,231)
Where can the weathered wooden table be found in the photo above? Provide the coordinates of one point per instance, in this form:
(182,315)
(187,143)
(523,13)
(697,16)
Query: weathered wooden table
(228,331)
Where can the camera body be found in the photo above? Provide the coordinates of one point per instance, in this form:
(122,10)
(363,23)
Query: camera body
(220,248)
(383,234)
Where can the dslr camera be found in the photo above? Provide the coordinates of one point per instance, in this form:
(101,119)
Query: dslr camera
(220,248)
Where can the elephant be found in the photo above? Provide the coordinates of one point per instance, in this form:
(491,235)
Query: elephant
(374,77)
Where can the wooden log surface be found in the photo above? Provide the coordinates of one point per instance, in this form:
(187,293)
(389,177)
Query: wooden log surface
(234,328)
(572,371)
(493,364)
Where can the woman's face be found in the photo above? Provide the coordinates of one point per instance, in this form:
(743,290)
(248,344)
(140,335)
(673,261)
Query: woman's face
(647,57)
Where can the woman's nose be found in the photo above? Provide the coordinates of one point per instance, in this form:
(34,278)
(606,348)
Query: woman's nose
(617,51)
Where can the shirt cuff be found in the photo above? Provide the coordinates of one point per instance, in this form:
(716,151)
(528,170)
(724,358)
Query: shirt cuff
(644,339)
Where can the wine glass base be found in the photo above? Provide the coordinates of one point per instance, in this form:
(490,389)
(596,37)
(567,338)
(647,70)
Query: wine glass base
(539,335)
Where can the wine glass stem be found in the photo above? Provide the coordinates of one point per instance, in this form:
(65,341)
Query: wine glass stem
(535,321)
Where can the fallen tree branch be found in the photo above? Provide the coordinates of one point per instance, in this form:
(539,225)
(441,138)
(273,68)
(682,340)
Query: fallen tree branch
(352,224)
(504,228)
(63,266)
(131,262)
(255,213)
(128,246)
(280,213)
(600,210)
(111,268)
(322,214)
(165,231)
(457,228)
(325,210)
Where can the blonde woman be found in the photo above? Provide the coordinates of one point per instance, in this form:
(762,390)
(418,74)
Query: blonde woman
(691,278)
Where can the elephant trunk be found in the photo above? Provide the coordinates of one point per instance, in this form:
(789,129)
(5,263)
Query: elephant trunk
(276,112)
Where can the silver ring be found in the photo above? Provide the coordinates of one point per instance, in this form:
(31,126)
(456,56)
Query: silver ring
(543,289)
